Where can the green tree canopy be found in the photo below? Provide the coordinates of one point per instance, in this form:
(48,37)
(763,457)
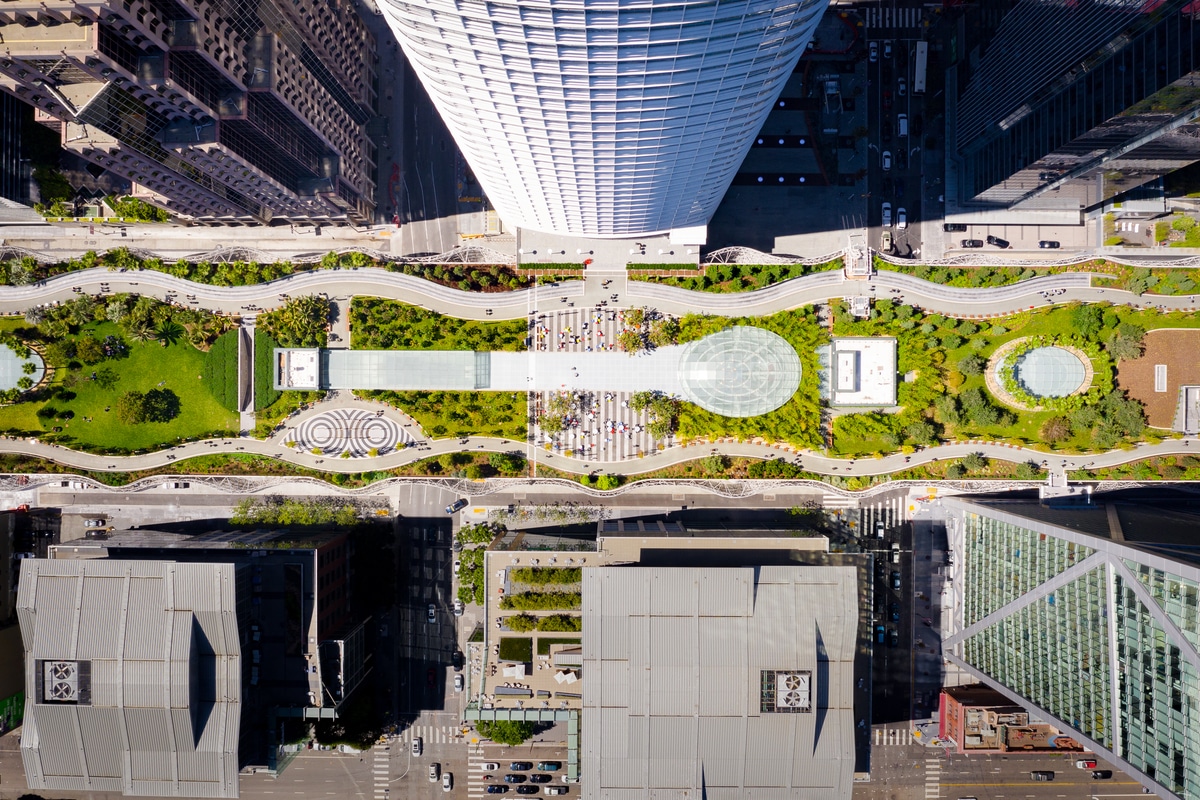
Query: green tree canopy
(504,731)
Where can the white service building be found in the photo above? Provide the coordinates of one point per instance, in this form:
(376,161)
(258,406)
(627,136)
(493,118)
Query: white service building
(604,119)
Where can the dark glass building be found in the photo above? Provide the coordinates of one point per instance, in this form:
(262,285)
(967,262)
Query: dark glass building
(1079,99)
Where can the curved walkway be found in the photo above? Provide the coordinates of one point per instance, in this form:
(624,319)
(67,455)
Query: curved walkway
(371,281)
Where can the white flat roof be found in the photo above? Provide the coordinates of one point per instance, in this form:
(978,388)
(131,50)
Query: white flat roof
(874,360)
(297,368)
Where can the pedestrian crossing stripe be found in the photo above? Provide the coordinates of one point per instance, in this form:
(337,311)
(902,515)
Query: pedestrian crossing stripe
(893,17)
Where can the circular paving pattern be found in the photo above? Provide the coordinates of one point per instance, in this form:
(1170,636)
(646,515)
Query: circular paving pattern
(1049,372)
(12,368)
(740,372)
(355,429)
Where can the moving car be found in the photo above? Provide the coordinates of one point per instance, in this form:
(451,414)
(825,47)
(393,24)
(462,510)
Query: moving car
(1101,774)
(873,52)
(456,505)
(435,772)
(887,159)
(971,243)
(511,778)
(895,580)
(887,49)
(549,766)
(887,215)
(893,637)
(880,634)
(457,565)
(1049,244)
(1085,763)
(520,766)
(901,218)
(417,749)
(902,126)
(902,87)
(1042,775)
(895,612)
(458,682)
(998,242)
(879,532)
(895,552)
(431,613)
(447,781)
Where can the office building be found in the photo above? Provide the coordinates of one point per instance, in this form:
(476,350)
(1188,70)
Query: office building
(1088,614)
(604,120)
(1106,104)
(219,110)
(721,682)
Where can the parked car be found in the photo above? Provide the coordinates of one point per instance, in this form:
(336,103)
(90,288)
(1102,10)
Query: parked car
(893,637)
(880,634)
(490,766)
(527,790)
(520,766)
(549,766)
(971,243)
(515,778)
(885,242)
(887,215)
(1085,763)
(431,613)
(954,227)
(458,608)
(1042,775)
(998,242)
(901,218)
(536,778)
(555,790)
(496,789)
(93,523)
(1101,774)
(887,49)
(1049,244)
(417,748)
(902,87)
(895,612)
(873,52)
(458,682)
(435,772)
(447,781)
(456,505)
(895,580)
(457,565)
(887,160)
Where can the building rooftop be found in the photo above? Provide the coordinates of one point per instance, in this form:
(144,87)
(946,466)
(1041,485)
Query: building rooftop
(133,677)
(859,371)
(718,682)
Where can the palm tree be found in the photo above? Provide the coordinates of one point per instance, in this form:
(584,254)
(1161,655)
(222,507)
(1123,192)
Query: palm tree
(170,332)
(141,331)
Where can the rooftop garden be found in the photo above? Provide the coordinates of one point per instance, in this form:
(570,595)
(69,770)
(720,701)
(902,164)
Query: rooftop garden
(730,277)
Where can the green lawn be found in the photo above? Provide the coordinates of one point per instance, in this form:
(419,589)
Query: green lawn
(378,324)
(516,648)
(221,370)
(178,367)
(544,643)
(452,414)
(265,392)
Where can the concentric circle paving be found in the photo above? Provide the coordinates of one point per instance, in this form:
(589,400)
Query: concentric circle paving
(1049,372)
(354,429)
(740,372)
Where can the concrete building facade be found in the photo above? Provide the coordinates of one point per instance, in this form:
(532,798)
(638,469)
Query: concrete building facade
(604,119)
(219,110)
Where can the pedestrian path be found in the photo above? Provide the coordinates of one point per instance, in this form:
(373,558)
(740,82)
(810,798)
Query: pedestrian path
(432,734)
(893,737)
(476,785)
(894,18)
(933,777)
(356,430)
(381,771)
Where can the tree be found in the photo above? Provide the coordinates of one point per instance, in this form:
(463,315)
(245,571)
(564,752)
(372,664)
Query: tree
(715,464)
(923,433)
(1028,471)
(973,462)
(1127,342)
(634,317)
(1055,430)
(664,332)
(302,322)
(88,350)
(972,364)
(947,409)
(607,482)
(955,471)
(106,378)
(630,341)
(170,332)
(504,731)
(130,408)
(1087,320)
(156,405)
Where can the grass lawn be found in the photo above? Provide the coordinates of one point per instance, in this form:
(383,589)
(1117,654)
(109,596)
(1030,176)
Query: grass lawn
(544,643)
(453,414)
(513,648)
(149,365)
(265,392)
(378,324)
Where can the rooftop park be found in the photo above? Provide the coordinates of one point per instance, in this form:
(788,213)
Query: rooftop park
(377,324)
(123,374)
(300,322)
(729,277)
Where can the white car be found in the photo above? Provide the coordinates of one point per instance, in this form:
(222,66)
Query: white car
(901,87)
(417,749)
(490,766)
(431,613)
(901,219)
(887,49)
(458,608)
(458,682)
(457,565)
(887,215)
(887,160)
(435,772)
(447,781)
(873,51)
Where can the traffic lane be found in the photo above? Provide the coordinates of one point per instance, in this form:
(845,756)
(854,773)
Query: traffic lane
(1001,777)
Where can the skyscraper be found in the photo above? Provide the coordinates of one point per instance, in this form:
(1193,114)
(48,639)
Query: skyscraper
(599,118)
(220,109)
(1106,104)
(1089,615)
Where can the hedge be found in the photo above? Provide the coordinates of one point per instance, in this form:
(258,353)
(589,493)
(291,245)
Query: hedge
(540,576)
(516,648)
(221,370)
(265,392)
(528,601)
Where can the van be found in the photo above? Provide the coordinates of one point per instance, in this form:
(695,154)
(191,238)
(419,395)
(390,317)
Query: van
(902,126)
(1042,775)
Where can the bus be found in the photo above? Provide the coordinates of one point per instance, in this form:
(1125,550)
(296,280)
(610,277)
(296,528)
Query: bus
(918,84)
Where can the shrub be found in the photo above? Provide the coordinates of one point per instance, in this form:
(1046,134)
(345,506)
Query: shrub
(505,731)
(955,471)
(220,373)
(541,576)
(522,623)
(560,623)
(548,601)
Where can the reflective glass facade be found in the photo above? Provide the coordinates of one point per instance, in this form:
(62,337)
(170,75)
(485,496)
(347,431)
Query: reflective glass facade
(1107,648)
(1106,104)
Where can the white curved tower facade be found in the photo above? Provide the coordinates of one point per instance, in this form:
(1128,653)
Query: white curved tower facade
(604,117)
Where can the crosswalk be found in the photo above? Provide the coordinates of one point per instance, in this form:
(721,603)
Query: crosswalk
(439,734)
(933,777)
(476,785)
(887,17)
(891,511)
(893,737)
(381,771)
